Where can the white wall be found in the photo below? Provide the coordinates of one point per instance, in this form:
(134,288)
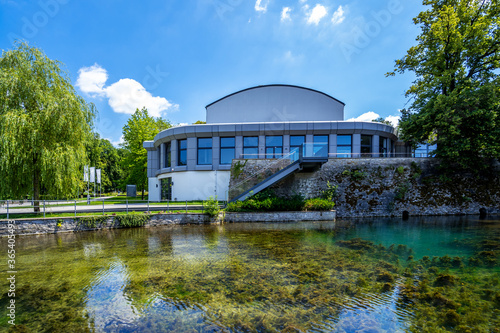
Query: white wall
(198,185)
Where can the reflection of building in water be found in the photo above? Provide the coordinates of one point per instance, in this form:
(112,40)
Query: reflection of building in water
(193,162)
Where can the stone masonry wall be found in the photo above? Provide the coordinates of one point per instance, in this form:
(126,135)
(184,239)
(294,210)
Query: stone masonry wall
(389,186)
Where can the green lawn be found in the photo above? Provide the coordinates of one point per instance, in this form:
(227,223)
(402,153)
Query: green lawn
(52,215)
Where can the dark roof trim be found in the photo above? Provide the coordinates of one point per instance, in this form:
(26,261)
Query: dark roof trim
(275,85)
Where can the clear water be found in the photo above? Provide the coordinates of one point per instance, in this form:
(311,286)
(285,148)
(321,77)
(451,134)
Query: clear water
(293,277)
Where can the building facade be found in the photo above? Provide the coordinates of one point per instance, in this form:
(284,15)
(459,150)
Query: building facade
(193,162)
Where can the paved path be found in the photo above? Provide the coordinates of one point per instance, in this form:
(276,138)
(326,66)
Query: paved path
(121,207)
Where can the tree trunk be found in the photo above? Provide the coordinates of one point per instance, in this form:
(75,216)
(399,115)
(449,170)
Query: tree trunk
(36,191)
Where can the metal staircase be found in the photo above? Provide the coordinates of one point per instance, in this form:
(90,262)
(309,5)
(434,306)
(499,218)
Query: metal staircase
(303,164)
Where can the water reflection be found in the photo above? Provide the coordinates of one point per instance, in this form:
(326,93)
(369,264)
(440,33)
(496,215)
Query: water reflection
(347,276)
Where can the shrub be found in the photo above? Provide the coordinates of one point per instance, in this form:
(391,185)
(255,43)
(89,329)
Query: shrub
(92,221)
(132,219)
(211,207)
(318,204)
(331,192)
(400,170)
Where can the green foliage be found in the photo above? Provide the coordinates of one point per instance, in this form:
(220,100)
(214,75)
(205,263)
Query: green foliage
(44,127)
(330,193)
(354,174)
(59,223)
(383,121)
(103,155)
(456,93)
(92,221)
(237,168)
(133,219)
(211,207)
(266,201)
(139,128)
(318,204)
(402,190)
(400,170)
(199,122)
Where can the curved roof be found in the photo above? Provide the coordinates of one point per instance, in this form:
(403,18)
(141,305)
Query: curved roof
(275,102)
(274,85)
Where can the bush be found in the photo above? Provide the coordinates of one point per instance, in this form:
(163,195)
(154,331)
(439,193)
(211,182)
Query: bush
(132,219)
(318,204)
(330,193)
(211,207)
(267,202)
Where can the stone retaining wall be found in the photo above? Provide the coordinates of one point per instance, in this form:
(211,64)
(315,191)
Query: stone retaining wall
(71,224)
(279,216)
(390,186)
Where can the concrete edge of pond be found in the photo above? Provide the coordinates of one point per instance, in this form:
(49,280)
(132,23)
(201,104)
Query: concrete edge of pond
(74,224)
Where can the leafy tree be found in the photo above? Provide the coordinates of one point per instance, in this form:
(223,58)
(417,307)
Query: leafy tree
(103,155)
(139,128)
(455,96)
(44,126)
(199,122)
(383,121)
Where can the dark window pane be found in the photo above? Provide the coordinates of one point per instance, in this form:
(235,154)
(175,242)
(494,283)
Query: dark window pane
(274,141)
(182,144)
(278,151)
(226,142)
(205,143)
(343,140)
(366,140)
(226,155)
(204,156)
(250,152)
(182,157)
(250,141)
(297,140)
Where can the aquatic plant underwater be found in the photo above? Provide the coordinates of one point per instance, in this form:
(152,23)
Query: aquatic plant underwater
(349,276)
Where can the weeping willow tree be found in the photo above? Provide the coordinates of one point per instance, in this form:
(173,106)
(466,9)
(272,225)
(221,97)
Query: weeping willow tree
(44,126)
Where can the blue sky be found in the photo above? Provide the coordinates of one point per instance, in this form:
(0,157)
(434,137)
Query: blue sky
(176,57)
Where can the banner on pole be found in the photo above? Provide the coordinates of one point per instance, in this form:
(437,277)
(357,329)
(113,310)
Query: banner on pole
(98,175)
(92,174)
(86,173)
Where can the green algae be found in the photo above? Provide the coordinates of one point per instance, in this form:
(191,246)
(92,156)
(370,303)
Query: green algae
(250,278)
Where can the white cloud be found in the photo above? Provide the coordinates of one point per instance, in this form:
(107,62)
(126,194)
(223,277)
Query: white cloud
(91,80)
(317,14)
(394,120)
(285,14)
(261,5)
(367,116)
(116,143)
(290,58)
(127,95)
(370,115)
(338,16)
(124,96)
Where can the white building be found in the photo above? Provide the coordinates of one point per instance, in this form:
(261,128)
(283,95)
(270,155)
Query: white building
(193,162)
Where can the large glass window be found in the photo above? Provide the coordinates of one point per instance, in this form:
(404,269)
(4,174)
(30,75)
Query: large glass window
(382,146)
(158,150)
(251,147)
(226,150)
(344,146)
(320,144)
(204,151)
(424,150)
(296,144)
(366,145)
(168,155)
(274,146)
(182,152)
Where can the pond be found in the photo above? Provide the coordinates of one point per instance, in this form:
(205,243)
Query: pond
(427,274)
